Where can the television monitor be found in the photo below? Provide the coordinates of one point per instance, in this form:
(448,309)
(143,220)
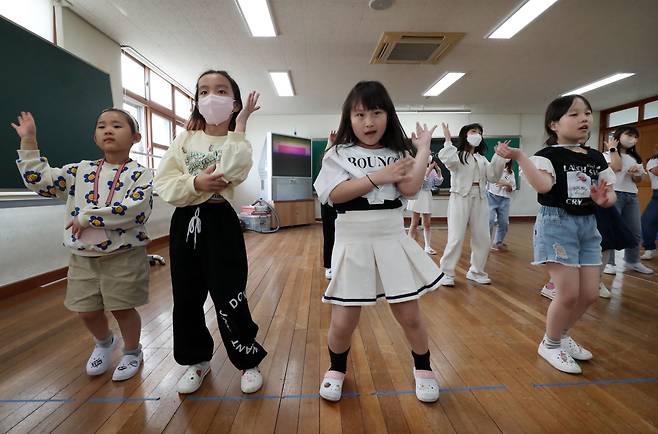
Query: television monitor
(291,156)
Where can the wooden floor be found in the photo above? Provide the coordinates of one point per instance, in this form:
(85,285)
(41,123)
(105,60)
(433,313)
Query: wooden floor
(483,341)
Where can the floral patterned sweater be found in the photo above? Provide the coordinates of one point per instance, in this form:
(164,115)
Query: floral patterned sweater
(119,225)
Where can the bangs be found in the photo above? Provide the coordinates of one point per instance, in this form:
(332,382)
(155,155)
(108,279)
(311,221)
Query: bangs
(371,98)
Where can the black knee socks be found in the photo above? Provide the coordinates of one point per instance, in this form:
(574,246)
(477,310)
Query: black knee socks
(338,361)
(422,361)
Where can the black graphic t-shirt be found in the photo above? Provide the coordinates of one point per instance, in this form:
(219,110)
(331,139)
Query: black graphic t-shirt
(573,173)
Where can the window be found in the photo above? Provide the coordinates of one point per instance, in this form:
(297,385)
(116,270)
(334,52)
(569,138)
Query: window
(621,117)
(183,104)
(160,91)
(160,107)
(651,110)
(132,76)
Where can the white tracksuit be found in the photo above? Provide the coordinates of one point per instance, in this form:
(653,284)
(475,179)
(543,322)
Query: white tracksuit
(468,206)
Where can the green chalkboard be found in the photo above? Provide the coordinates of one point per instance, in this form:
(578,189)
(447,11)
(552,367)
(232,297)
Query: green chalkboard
(64,94)
(436,145)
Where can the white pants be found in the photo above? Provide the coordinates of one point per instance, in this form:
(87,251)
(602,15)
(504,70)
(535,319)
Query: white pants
(472,211)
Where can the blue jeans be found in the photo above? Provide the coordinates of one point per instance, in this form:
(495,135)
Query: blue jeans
(498,214)
(629,207)
(650,223)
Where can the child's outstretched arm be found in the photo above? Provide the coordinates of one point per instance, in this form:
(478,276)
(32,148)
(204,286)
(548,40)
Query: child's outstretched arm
(448,154)
(540,180)
(37,174)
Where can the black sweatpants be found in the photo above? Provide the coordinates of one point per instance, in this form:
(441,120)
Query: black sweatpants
(328,214)
(208,255)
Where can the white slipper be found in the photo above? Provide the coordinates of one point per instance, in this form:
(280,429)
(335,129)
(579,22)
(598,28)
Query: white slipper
(193,377)
(100,359)
(427,388)
(331,388)
(128,366)
(251,381)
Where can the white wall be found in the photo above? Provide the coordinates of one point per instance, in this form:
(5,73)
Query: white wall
(32,237)
(34,15)
(83,40)
(530,127)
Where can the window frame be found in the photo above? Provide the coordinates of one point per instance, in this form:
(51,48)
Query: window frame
(151,107)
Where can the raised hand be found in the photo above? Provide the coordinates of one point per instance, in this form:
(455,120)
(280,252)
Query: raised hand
(247,110)
(599,193)
(209,182)
(332,138)
(422,137)
(446,130)
(506,151)
(26,127)
(612,143)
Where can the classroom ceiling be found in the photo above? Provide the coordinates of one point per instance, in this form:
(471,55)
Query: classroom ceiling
(327,46)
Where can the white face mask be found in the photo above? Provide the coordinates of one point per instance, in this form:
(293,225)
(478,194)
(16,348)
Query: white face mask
(626,143)
(474,139)
(215,109)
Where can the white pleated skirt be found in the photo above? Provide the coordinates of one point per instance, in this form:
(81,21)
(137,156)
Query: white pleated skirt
(422,204)
(373,259)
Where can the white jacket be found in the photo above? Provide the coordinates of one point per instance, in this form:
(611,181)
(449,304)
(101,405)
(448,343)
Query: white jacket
(462,175)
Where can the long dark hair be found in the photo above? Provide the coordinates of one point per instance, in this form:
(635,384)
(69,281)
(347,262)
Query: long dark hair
(555,110)
(509,166)
(463,146)
(196,120)
(632,151)
(372,95)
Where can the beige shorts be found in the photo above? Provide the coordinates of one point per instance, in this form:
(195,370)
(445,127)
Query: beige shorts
(113,282)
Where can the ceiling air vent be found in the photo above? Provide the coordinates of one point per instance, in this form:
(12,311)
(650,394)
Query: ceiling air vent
(414,47)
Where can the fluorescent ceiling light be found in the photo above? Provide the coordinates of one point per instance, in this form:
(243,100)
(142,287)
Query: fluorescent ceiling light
(521,18)
(600,83)
(282,83)
(445,82)
(258,17)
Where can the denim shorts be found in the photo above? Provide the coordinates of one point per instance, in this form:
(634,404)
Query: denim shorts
(567,239)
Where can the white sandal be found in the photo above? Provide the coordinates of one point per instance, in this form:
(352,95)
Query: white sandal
(427,388)
(331,388)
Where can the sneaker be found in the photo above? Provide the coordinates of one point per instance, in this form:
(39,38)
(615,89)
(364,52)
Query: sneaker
(640,268)
(559,359)
(331,388)
(648,254)
(548,290)
(610,269)
(251,381)
(447,280)
(328,274)
(603,291)
(430,251)
(495,247)
(128,366)
(427,388)
(100,359)
(481,278)
(574,350)
(193,377)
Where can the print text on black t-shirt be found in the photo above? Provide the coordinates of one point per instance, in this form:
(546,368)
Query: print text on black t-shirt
(575,173)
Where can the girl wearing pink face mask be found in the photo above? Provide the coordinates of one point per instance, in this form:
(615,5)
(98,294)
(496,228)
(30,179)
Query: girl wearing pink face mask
(197,175)
(468,206)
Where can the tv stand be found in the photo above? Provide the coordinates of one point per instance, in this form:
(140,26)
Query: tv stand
(295,212)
